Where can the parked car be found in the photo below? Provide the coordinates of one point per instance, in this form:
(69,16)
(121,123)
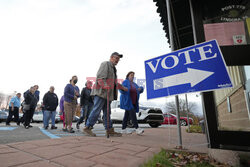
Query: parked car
(151,115)
(38,117)
(3,115)
(172,120)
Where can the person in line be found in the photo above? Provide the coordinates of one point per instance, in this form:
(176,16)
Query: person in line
(86,103)
(106,80)
(62,113)
(37,92)
(71,93)
(129,101)
(30,102)
(14,105)
(36,95)
(50,103)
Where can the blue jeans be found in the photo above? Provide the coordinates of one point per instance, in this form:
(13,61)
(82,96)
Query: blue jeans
(99,104)
(85,111)
(47,116)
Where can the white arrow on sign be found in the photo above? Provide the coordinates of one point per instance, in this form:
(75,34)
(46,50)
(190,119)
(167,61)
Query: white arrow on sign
(192,76)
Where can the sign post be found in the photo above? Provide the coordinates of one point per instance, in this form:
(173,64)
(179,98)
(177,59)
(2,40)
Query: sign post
(170,28)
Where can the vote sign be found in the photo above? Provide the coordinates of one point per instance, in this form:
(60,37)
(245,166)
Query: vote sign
(196,68)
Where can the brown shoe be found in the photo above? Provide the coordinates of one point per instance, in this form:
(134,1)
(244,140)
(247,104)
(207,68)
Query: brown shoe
(89,132)
(112,132)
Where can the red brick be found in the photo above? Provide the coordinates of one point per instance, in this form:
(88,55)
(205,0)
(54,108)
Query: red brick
(95,149)
(135,148)
(17,158)
(39,164)
(83,155)
(7,150)
(70,161)
(115,160)
(51,151)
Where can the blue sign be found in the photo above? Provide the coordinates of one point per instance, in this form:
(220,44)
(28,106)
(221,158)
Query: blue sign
(193,69)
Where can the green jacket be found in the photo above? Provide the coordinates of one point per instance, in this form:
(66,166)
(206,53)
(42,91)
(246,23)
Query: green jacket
(105,76)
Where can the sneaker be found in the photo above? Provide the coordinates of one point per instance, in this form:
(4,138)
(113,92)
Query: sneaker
(77,126)
(64,129)
(18,123)
(46,127)
(7,124)
(139,131)
(111,132)
(53,127)
(26,127)
(30,126)
(88,131)
(125,131)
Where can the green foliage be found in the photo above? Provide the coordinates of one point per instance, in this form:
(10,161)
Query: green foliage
(194,129)
(159,159)
(178,158)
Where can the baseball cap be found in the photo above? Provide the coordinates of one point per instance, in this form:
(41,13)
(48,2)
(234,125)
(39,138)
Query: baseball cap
(116,53)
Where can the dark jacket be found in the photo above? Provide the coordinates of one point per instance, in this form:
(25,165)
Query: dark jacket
(69,92)
(50,101)
(85,98)
(30,99)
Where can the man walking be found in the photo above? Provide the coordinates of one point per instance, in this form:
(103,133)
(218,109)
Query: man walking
(106,80)
(29,106)
(86,103)
(14,105)
(50,103)
(35,100)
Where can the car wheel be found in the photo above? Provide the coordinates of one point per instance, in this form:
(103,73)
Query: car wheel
(154,124)
(183,122)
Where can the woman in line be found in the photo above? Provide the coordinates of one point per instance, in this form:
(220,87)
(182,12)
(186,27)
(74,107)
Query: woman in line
(71,93)
(129,102)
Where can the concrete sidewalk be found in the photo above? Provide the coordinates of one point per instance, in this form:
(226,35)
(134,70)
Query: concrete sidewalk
(129,150)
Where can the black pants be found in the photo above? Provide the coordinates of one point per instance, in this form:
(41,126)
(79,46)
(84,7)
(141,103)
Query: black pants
(15,112)
(132,115)
(27,116)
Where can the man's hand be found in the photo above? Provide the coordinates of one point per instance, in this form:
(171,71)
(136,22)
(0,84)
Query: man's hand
(106,87)
(139,89)
(12,108)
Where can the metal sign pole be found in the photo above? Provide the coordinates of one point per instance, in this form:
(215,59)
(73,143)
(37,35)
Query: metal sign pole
(171,39)
(187,113)
(195,42)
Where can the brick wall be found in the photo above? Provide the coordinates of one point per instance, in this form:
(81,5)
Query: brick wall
(238,119)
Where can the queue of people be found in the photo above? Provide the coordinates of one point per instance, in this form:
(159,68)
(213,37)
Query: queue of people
(93,99)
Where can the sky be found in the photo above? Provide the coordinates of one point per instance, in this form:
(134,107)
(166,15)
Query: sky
(46,42)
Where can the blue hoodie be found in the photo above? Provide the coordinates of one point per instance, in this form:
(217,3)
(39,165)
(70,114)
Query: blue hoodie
(125,99)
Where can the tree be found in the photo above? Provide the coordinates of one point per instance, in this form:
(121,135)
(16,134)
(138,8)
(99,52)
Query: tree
(171,107)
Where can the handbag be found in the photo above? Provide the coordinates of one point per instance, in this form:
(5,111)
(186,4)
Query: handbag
(26,106)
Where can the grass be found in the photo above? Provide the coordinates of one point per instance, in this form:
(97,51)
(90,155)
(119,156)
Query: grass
(158,159)
(176,158)
(194,129)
